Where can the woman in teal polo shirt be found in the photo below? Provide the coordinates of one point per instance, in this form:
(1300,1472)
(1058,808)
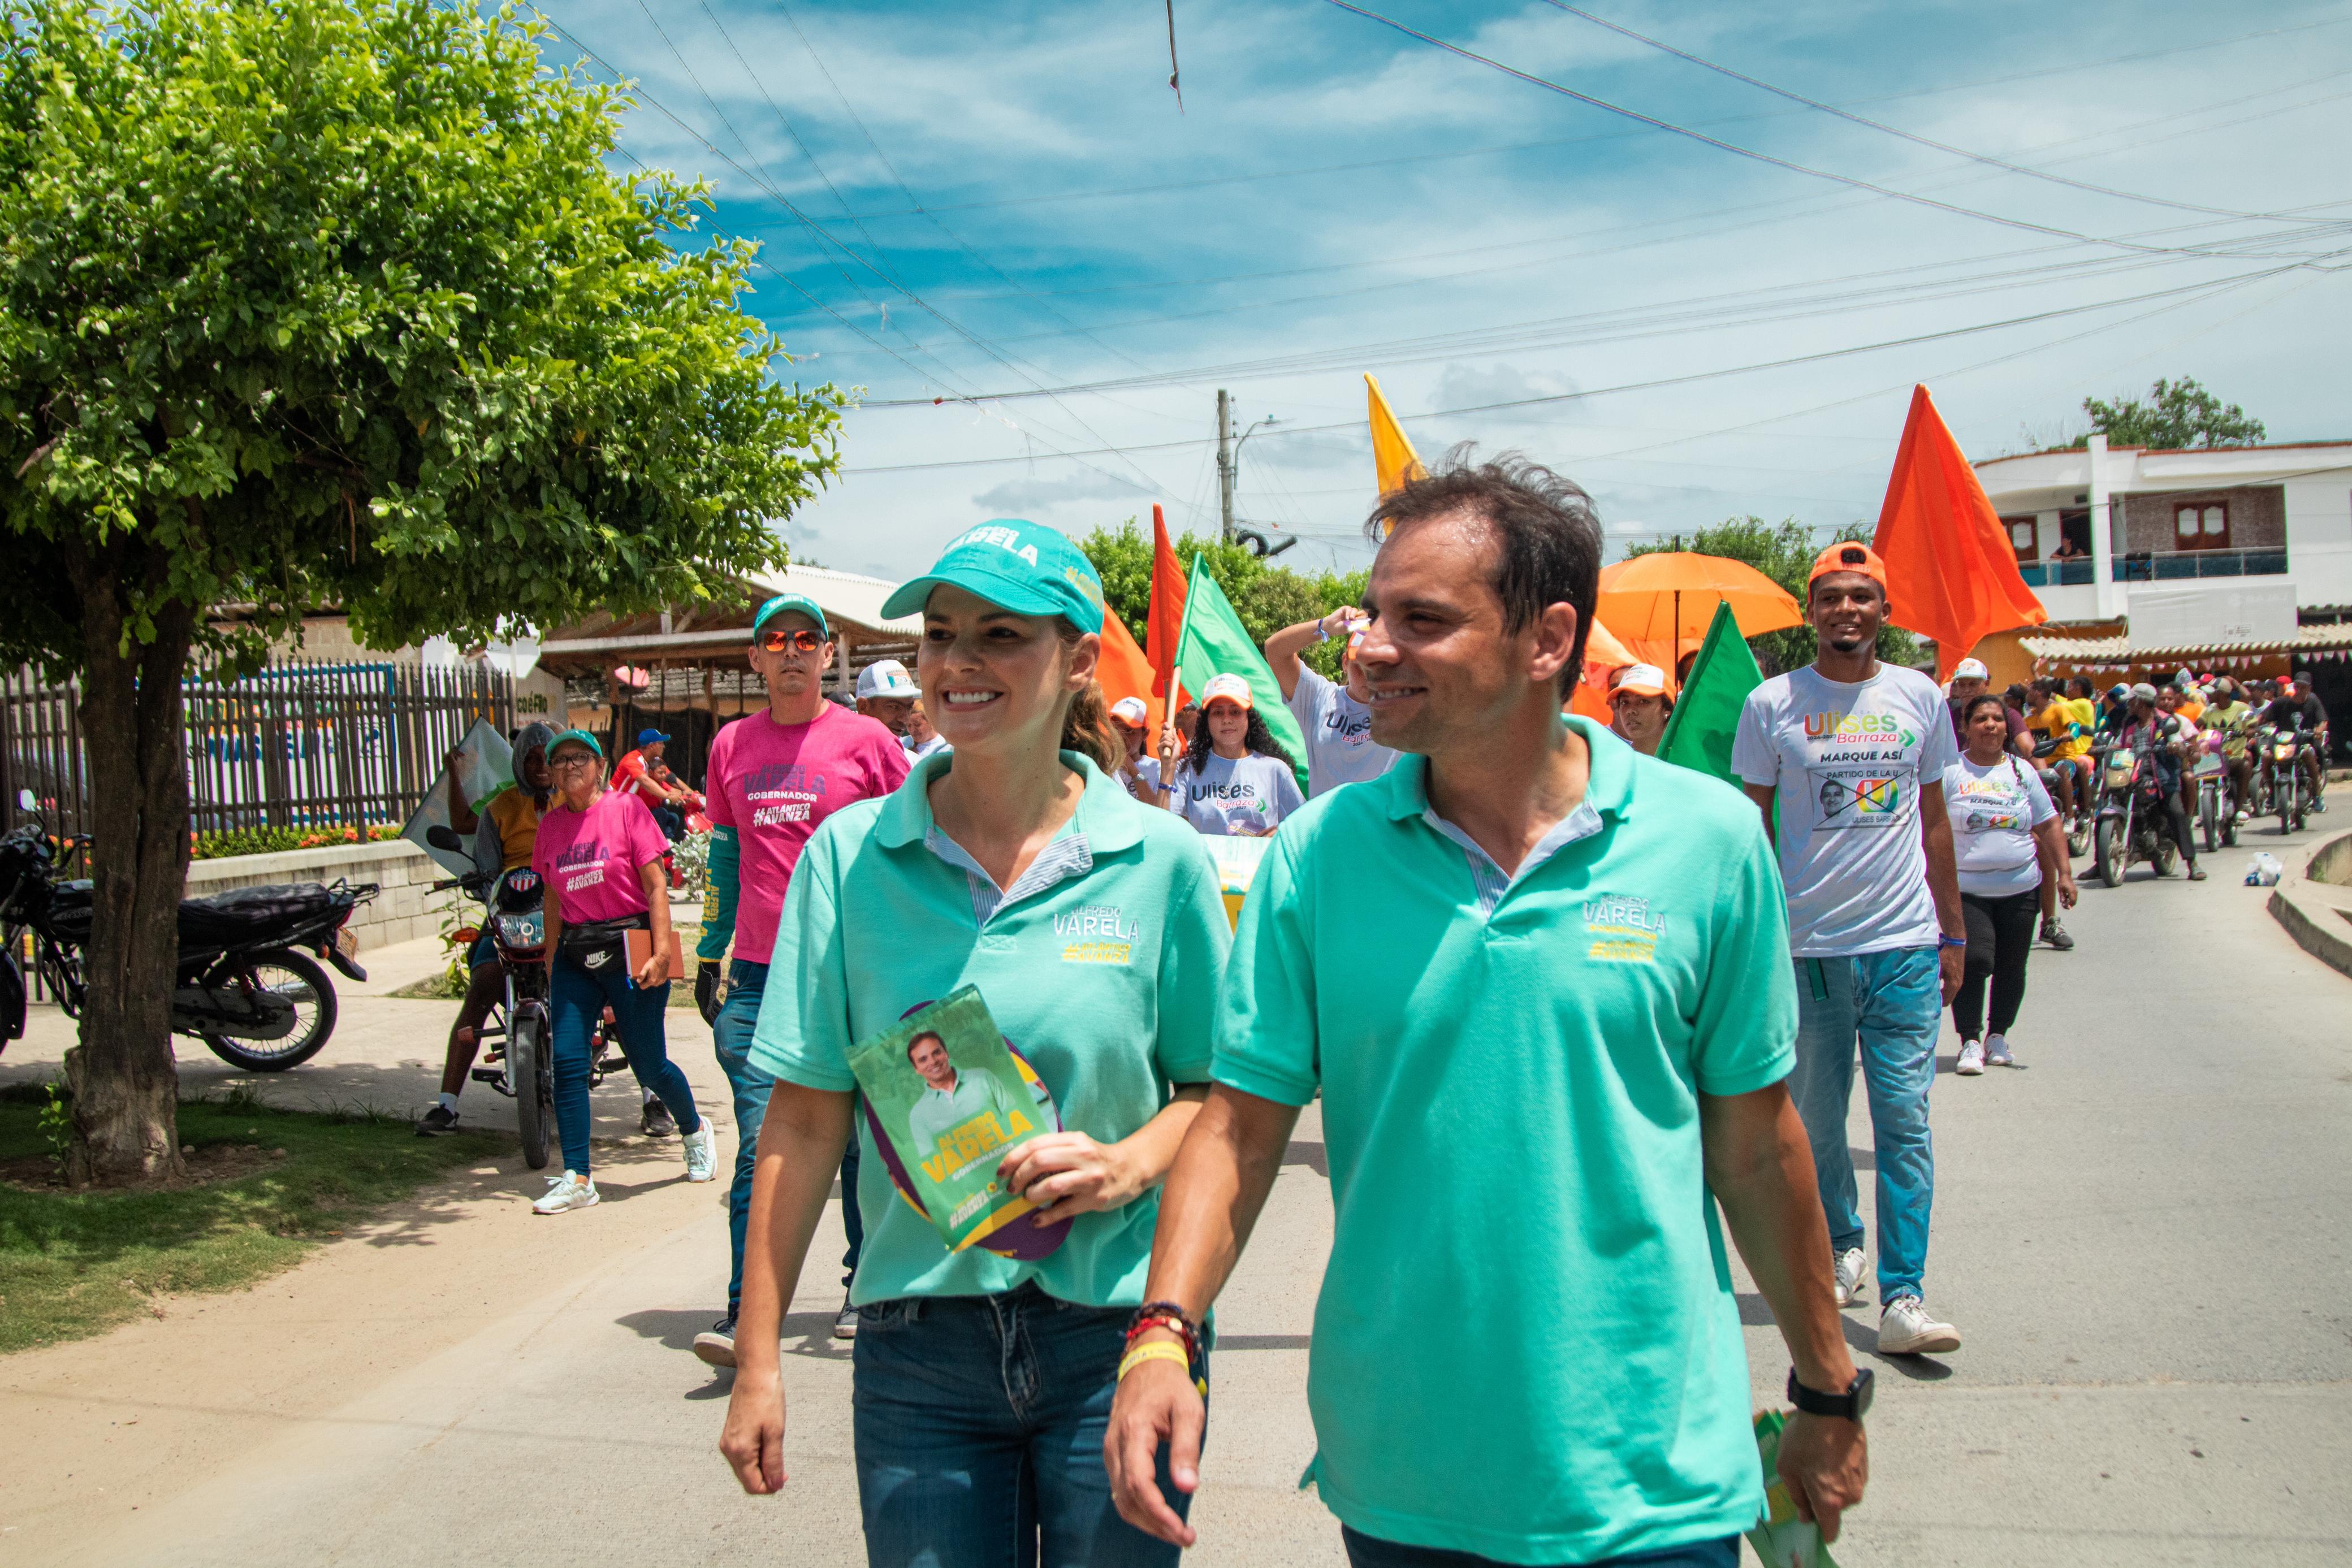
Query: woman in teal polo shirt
(1094,931)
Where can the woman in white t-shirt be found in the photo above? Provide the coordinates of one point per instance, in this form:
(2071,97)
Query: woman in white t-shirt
(2006,838)
(1235,779)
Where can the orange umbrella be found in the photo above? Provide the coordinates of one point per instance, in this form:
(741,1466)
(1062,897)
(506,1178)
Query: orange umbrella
(1669,596)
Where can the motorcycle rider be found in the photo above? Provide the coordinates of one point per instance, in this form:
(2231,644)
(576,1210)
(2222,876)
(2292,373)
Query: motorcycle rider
(2298,706)
(2144,726)
(635,773)
(504,832)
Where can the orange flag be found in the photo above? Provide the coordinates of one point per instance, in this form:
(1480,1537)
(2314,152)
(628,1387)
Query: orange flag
(1167,625)
(1950,571)
(1394,462)
(1125,671)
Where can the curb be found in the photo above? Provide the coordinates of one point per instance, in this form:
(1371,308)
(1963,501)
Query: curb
(2317,925)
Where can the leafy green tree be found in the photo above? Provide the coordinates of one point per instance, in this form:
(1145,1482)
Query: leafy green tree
(2174,416)
(1783,551)
(1267,597)
(310,302)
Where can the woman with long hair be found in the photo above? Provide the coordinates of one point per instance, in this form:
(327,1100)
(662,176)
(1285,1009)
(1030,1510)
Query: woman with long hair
(2006,838)
(1236,778)
(599,853)
(1095,933)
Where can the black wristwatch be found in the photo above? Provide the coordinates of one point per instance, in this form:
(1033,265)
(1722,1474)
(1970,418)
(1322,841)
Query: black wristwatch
(1850,1405)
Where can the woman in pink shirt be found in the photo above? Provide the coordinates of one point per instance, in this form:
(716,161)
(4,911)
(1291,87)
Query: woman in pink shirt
(600,854)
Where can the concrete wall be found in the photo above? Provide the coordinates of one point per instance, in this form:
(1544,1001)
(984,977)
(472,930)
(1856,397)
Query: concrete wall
(405,908)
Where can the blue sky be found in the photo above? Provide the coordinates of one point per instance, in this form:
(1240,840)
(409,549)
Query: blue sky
(995,200)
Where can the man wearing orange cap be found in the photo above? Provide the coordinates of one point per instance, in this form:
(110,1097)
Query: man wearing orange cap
(1639,707)
(1846,758)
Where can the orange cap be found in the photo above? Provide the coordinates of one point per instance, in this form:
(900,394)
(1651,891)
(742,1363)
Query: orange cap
(1849,555)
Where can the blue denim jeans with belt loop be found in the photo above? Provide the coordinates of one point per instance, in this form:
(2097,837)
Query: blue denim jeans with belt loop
(1893,1001)
(575,998)
(731,1039)
(980,1424)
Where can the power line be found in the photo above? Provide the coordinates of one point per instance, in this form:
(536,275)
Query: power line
(1732,147)
(1816,358)
(1882,127)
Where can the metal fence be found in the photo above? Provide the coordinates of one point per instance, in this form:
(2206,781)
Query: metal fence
(302,742)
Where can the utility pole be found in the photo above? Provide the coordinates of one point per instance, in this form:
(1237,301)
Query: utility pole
(1225,462)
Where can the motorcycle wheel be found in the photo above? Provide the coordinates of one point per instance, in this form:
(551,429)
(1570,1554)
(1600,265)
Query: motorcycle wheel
(2286,807)
(2166,855)
(2209,819)
(2229,824)
(2078,838)
(295,977)
(529,1071)
(2108,851)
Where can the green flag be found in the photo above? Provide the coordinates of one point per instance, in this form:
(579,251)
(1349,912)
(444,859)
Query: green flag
(1215,644)
(1706,715)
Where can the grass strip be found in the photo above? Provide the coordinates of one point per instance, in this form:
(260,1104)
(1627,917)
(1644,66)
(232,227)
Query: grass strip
(74,1264)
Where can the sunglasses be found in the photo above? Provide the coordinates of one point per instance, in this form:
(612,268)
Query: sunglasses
(803,641)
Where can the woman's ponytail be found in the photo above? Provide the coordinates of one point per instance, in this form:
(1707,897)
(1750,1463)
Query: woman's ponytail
(1086,730)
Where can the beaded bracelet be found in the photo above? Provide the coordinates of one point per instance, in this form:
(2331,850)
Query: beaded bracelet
(1166,1315)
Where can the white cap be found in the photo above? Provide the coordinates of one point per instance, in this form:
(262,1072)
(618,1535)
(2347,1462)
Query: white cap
(886,678)
(1230,686)
(1972,670)
(1129,710)
(1640,680)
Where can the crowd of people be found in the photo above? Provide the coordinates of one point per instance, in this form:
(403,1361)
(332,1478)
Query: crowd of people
(1666,989)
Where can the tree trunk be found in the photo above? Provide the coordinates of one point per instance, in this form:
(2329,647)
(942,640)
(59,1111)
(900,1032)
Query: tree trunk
(124,1082)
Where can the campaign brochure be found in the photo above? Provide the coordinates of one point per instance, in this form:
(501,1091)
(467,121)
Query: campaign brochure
(1782,1540)
(947,1099)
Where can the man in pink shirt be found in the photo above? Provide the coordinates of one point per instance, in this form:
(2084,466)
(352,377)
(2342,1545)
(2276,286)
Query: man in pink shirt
(773,778)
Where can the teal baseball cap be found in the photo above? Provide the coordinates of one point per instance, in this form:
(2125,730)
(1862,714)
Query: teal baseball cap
(582,736)
(800,601)
(1025,567)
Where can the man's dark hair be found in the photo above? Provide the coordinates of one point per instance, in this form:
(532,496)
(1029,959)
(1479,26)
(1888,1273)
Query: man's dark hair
(1546,535)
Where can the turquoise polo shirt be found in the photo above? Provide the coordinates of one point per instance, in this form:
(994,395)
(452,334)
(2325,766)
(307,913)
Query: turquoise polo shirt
(1525,1345)
(1100,965)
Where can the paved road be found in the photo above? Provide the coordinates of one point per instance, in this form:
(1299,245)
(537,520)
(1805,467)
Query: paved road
(2140,1231)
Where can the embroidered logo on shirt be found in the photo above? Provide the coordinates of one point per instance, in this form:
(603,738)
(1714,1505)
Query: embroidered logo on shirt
(1623,929)
(1106,934)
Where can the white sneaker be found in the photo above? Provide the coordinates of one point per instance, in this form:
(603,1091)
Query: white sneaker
(1849,1276)
(1906,1329)
(1996,1051)
(567,1191)
(1972,1058)
(701,1163)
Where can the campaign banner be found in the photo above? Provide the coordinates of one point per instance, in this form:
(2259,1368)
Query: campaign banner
(946,1099)
(484,765)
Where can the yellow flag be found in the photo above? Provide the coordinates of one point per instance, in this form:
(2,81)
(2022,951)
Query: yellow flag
(1393,454)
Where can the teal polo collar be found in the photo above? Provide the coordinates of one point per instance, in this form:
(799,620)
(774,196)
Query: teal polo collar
(1609,790)
(1107,817)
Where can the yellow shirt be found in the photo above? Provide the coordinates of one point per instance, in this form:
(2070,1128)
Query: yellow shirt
(517,818)
(2056,722)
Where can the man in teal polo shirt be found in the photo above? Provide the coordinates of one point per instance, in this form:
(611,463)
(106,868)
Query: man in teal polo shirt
(1543,986)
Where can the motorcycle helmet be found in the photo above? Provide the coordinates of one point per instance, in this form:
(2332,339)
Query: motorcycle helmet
(2143,692)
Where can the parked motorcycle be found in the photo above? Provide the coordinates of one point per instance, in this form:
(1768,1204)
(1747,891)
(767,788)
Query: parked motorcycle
(243,985)
(518,1060)
(2131,823)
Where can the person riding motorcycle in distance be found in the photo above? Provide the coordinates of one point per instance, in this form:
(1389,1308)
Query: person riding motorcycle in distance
(2146,727)
(2297,706)
(2068,743)
(2236,720)
(504,831)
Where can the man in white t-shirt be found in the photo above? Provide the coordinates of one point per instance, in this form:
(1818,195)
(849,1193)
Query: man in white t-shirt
(1846,758)
(1334,719)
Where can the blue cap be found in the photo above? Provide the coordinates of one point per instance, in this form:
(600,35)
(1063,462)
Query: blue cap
(800,601)
(647,736)
(1024,567)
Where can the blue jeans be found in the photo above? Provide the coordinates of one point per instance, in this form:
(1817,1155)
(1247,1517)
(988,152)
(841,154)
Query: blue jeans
(980,1424)
(731,1038)
(1369,1551)
(1894,1001)
(575,999)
